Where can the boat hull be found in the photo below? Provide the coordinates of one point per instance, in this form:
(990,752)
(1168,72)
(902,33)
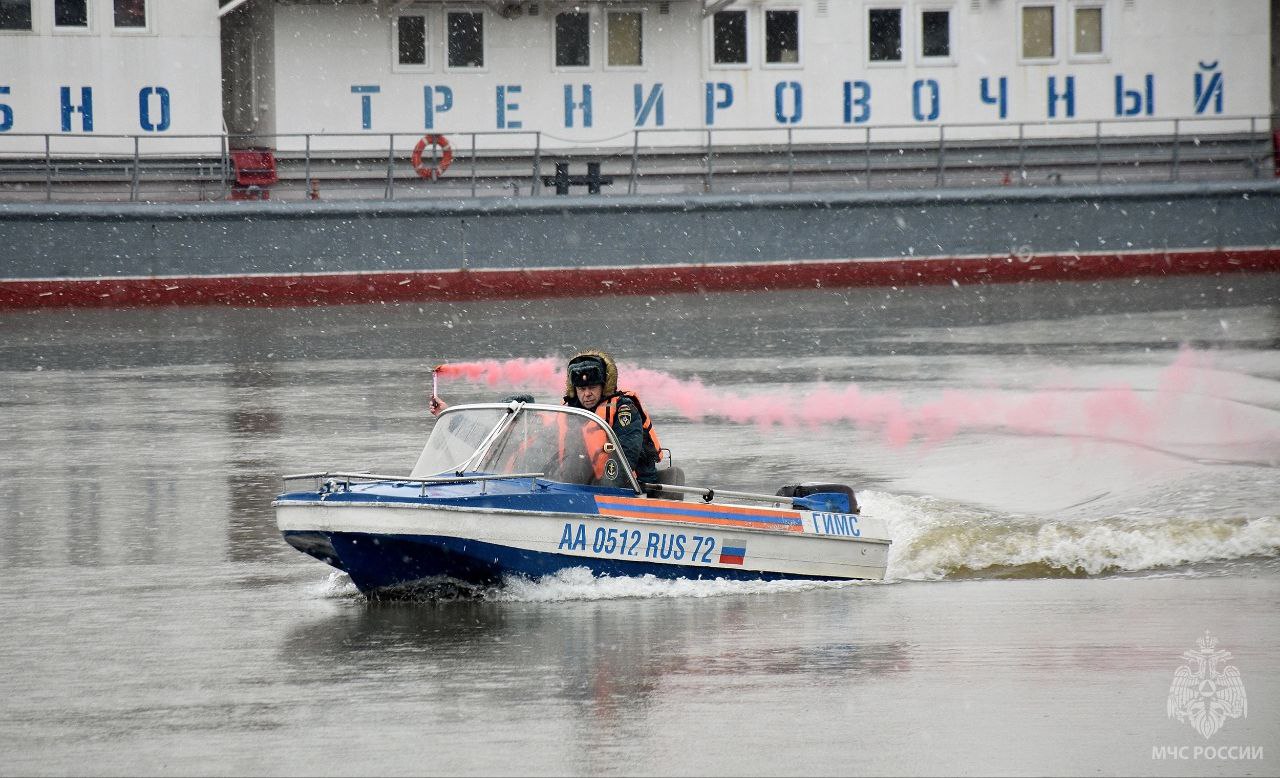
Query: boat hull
(386,548)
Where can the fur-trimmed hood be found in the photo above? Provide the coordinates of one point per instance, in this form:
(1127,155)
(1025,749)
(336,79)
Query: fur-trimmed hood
(610,374)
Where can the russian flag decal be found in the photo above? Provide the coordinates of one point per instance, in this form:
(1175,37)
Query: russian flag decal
(733,552)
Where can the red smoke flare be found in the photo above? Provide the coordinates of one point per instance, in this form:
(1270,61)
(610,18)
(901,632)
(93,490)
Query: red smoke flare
(1113,410)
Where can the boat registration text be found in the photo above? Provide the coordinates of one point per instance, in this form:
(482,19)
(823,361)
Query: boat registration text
(670,546)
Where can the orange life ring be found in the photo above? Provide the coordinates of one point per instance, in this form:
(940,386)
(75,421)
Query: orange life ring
(446,157)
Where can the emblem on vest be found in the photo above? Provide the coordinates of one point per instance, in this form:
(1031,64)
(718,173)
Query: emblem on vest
(624,417)
(1204,695)
(611,470)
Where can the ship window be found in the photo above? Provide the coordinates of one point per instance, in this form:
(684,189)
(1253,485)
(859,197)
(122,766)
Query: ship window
(411,40)
(1037,32)
(70,13)
(15,14)
(729,37)
(466,39)
(573,39)
(1088,31)
(884,29)
(626,39)
(935,34)
(782,37)
(131,14)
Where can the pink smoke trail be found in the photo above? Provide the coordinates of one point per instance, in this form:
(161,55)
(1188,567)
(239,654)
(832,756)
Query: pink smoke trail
(1113,410)
(541,374)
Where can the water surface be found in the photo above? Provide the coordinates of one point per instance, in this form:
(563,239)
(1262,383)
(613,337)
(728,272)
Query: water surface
(1096,489)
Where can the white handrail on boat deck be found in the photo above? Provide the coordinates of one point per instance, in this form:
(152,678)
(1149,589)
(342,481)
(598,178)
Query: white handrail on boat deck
(708,494)
(423,482)
(405,479)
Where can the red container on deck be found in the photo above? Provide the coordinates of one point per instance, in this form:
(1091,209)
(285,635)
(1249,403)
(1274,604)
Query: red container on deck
(255,171)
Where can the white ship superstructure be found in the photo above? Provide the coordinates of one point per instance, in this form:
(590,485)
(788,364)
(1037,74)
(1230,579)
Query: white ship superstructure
(414,150)
(563,74)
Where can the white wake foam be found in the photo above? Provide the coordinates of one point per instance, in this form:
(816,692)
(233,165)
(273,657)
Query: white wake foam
(933,540)
(577,583)
(337,586)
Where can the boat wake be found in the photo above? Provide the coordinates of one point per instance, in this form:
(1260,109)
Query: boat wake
(578,584)
(935,540)
(338,586)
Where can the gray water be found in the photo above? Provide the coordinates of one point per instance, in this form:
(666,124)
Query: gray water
(1051,565)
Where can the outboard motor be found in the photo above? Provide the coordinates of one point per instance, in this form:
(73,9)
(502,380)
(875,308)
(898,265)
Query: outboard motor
(814,496)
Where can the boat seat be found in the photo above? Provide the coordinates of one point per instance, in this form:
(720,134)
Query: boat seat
(671,476)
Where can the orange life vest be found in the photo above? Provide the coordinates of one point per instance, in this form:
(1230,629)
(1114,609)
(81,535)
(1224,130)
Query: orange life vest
(608,410)
(593,439)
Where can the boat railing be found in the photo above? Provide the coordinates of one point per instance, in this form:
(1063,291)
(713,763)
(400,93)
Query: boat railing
(343,481)
(647,160)
(709,494)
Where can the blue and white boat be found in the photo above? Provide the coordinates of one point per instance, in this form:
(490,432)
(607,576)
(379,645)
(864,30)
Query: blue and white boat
(529,490)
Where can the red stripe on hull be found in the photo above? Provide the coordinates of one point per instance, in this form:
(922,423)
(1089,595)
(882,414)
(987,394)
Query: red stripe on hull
(404,286)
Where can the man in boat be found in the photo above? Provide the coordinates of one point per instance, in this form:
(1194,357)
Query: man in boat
(592,384)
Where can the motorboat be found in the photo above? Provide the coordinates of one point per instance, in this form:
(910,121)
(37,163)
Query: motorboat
(524,489)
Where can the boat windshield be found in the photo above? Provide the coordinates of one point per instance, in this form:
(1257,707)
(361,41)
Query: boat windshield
(455,438)
(565,445)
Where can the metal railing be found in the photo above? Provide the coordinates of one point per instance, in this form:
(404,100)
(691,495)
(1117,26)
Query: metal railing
(329,482)
(642,161)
